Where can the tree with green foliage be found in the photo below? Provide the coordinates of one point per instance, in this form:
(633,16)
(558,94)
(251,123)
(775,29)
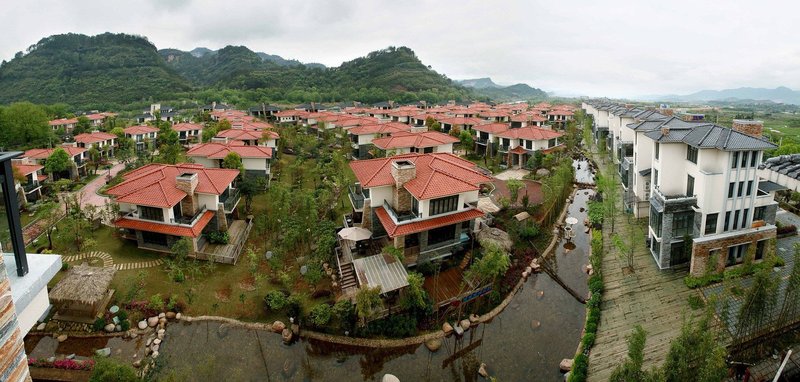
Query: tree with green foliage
(514,185)
(413,296)
(109,370)
(24,125)
(492,264)
(368,302)
(250,186)
(209,132)
(119,132)
(126,149)
(696,355)
(233,161)
(57,162)
(320,315)
(467,141)
(51,214)
(760,298)
(790,308)
(94,158)
(436,126)
(84,125)
(631,369)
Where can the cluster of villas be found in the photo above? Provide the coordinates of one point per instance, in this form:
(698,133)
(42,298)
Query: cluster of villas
(513,132)
(699,183)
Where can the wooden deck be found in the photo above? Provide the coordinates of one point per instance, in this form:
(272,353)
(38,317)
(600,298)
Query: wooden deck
(445,286)
(227,253)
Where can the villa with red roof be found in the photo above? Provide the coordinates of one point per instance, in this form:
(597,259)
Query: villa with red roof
(143,135)
(159,204)
(77,155)
(361,136)
(422,142)
(188,132)
(424,204)
(255,159)
(67,124)
(247,137)
(103,142)
(515,145)
(30,190)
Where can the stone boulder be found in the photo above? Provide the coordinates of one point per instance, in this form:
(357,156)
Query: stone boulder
(464,324)
(170,315)
(157,341)
(110,328)
(137,364)
(142,324)
(447,328)
(62,338)
(542,172)
(178,316)
(152,321)
(389,378)
(565,365)
(433,345)
(482,371)
(287,335)
(473,318)
(278,326)
(104,352)
(162,315)
(41,326)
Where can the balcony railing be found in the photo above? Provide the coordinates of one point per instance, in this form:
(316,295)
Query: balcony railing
(503,148)
(357,198)
(28,187)
(188,220)
(229,198)
(666,197)
(481,141)
(406,216)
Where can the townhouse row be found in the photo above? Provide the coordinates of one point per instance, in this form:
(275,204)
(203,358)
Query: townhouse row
(697,182)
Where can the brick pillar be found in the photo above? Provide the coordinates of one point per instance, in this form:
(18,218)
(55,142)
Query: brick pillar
(400,242)
(14,363)
(366,216)
(222,222)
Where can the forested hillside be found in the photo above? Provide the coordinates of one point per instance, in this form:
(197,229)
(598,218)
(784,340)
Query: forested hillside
(83,70)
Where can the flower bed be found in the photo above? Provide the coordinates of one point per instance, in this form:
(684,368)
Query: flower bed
(64,364)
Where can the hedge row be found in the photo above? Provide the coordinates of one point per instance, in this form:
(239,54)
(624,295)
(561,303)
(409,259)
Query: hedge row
(580,364)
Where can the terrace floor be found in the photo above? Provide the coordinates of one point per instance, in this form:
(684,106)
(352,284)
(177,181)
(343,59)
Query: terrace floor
(444,286)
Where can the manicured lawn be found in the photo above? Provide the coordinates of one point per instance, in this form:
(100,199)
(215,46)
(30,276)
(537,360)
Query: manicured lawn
(121,250)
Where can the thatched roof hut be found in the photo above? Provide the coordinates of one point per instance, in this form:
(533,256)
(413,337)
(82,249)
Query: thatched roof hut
(84,289)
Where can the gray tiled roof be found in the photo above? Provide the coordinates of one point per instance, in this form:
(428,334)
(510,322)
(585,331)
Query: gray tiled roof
(708,136)
(767,186)
(788,165)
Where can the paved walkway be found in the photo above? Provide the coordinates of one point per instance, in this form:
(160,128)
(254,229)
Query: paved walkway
(109,262)
(654,299)
(89,193)
(514,173)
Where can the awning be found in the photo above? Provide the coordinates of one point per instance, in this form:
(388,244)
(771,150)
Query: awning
(393,229)
(768,186)
(381,270)
(167,229)
(645,172)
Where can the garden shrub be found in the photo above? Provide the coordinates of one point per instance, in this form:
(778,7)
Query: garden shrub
(122,315)
(109,370)
(695,302)
(156,303)
(320,315)
(294,308)
(787,230)
(99,324)
(125,325)
(217,237)
(580,366)
(275,300)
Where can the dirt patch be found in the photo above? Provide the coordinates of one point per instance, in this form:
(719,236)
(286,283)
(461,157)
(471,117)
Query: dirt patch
(248,283)
(224,294)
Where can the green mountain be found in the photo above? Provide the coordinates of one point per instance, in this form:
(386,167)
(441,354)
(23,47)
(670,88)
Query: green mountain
(83,70)
(485,87)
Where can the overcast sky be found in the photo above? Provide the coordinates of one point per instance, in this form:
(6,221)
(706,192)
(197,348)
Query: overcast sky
(599,48)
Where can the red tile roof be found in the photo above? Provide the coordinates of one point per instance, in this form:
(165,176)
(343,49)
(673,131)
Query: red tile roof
(246,134)
(63,121)
(27,169)
(418,140)
(155,185)
(528,117)
(493,128)
(560,112)
(45,153)
(168,229)
(519,150)
(141,129)
(380,128)
(187,126)
(94,137)
(216,150)
(530,133)
(460,120)
(96,116)
(437,174)
(394,230)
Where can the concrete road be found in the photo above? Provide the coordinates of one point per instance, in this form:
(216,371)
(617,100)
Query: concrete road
(89,193)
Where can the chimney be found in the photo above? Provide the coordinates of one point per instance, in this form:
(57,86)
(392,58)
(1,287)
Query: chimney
(750,127)
(665,131)
(402,171)
(187,182)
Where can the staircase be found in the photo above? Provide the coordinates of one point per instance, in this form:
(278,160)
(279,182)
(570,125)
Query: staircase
(465,261)
(348,277)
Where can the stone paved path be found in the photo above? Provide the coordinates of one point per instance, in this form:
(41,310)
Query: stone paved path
(109,262)
(652,298)
(89,193)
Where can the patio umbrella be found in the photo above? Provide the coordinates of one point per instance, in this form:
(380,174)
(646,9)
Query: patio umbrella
(355,234)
